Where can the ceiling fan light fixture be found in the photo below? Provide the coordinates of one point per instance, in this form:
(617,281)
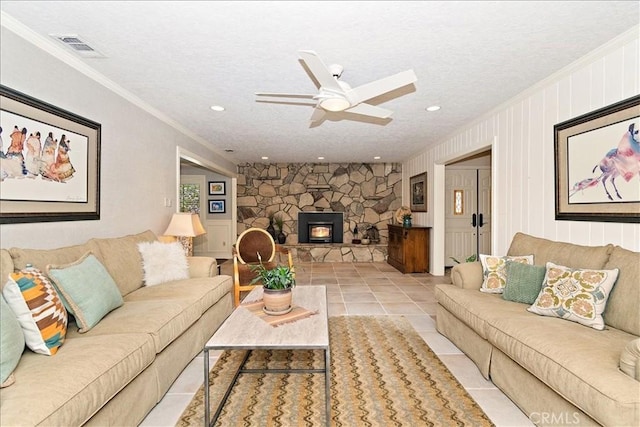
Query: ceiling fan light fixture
(335,104)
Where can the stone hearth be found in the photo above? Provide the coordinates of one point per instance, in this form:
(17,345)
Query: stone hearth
(338,252)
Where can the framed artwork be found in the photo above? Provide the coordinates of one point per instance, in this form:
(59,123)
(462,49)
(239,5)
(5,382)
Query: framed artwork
(418,193)
(216,206)
(217,188)
(50,162)
(597,165)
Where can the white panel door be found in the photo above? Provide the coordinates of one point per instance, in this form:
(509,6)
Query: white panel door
(461,204)
(217,243)
(467,213)
(484,211)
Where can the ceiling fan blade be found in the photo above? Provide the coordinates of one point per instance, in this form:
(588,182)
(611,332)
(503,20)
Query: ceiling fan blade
(285,95)
(382,86)
(370,110)
(318,114)
(320,71)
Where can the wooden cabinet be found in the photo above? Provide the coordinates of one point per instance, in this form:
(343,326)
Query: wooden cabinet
(408,249)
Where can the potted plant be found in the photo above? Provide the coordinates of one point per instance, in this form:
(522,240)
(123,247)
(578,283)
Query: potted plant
(277,284)
(280,236)
(471,258)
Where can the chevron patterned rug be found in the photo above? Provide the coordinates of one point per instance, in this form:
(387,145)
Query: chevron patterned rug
(382,374)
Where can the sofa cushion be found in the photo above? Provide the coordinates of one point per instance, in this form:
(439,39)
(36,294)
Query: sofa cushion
(524,282)
(578,295)
(622,307)
(569,254)
(87,289)
(86,373)
(40,258)
(475,308)
(39,310)
(203,292)
(494,271)
(580,364)
(6,266)
(122,259)
(11,343)
(162,320)
(163,262)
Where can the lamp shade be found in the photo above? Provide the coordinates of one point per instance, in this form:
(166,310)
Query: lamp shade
(185,224)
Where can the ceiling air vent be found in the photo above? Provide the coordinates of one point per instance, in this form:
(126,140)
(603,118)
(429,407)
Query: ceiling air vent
(79,46)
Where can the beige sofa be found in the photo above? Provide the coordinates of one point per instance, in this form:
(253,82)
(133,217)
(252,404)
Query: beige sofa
(115,373)
(557,371)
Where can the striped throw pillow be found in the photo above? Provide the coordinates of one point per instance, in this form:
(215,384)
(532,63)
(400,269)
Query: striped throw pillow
(39,310)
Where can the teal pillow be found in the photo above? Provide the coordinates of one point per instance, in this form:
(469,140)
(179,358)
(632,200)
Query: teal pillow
(524,282)
(11,343)
(88,291)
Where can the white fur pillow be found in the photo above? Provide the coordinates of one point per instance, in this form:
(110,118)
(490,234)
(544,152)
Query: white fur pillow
(163,262)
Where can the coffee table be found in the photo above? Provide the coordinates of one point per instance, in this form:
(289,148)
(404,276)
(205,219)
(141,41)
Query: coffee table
(244,330)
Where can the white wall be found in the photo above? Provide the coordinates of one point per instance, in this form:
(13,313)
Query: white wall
(138,156)
(521,131)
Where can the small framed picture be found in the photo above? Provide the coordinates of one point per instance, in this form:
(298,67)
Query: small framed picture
(216,206)
(217,188)
(418,187)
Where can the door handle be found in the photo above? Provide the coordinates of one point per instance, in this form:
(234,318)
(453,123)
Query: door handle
(473,220)
(480,222)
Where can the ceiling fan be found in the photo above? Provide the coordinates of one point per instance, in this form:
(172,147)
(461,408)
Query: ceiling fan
(335,95)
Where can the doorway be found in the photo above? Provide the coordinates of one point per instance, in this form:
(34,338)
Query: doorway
(467,209)
(194,174)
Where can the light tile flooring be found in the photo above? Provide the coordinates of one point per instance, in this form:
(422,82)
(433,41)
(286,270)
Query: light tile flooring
(367,289)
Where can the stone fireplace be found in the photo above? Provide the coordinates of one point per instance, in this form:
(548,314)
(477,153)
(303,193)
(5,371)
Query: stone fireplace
(320,227)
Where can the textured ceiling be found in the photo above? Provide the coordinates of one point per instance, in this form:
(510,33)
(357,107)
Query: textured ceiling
(182,57)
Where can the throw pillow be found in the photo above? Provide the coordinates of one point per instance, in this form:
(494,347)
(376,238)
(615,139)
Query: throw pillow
(87,290)
(524,282)
(493,269)
(578,295)
(163,262)
(11,344)
(38,308)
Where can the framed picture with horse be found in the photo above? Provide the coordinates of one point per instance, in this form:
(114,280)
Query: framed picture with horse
(49,162)
(597,165)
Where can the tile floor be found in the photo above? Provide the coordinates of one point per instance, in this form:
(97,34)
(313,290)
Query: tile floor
(367,289)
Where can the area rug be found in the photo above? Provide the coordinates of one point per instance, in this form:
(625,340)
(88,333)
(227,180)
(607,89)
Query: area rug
(382,374)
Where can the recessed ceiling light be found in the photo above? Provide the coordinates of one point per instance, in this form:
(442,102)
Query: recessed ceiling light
(265,158)
(433,108)
(217,108)
(376,158)
(320,158)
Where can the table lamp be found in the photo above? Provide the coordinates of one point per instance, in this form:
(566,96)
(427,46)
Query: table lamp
(185,226)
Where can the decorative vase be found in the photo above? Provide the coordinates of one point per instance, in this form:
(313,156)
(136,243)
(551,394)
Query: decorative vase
(277,301)
(406,222)
(282,238)
(271,230)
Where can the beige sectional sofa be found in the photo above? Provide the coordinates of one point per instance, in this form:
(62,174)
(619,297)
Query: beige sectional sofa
(115,373)
(557,371)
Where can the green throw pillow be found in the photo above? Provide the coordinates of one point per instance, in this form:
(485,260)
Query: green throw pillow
(11,343)
(524,282)
(87,290)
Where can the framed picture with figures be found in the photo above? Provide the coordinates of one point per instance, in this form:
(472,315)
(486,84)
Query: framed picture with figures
(597,165)
(50,162)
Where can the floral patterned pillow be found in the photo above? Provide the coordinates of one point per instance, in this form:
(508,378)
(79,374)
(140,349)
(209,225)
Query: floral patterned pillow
(495,272)
(578,295)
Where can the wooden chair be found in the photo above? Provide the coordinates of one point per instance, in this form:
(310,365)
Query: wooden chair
(245,254)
